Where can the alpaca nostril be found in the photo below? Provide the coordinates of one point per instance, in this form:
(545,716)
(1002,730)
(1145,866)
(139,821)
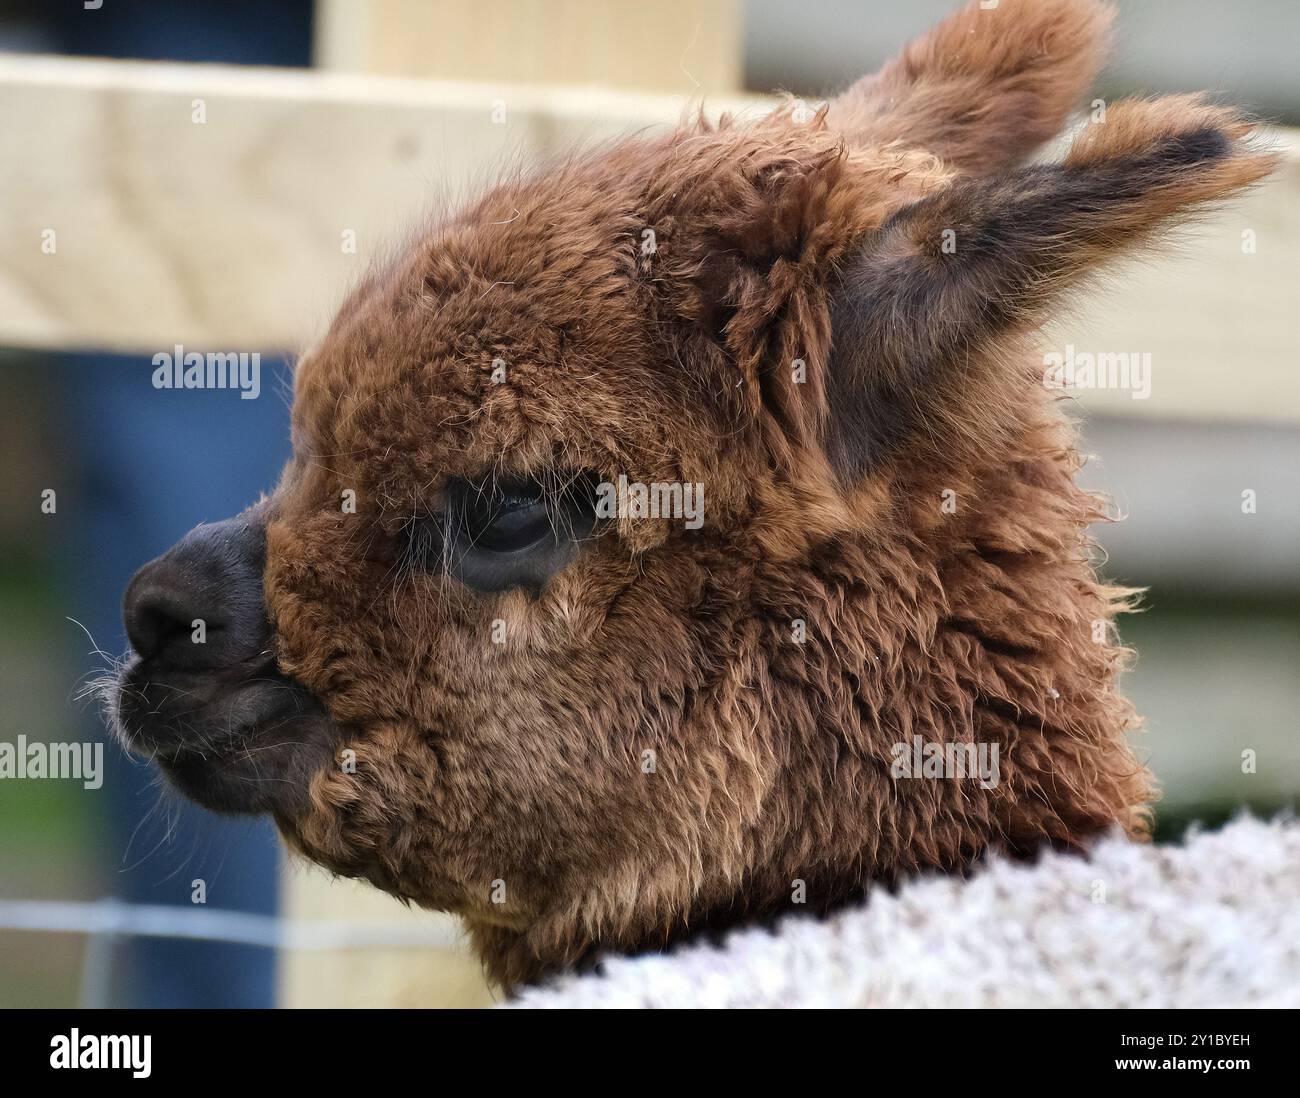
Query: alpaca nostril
(199,606)
(160,611)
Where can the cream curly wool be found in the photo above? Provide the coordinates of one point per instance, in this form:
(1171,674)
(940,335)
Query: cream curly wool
(1213,922)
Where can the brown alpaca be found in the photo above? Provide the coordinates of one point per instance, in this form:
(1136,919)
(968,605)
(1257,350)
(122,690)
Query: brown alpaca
(588,734)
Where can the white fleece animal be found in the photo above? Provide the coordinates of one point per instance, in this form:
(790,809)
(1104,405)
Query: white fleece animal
(1212,922)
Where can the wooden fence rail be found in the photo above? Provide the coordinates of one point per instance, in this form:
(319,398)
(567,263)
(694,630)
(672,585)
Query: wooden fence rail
(144,205)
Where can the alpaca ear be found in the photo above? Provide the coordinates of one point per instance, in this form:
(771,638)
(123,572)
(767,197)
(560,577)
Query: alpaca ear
(985,87)
(928,296)
(753,226)
(751,218)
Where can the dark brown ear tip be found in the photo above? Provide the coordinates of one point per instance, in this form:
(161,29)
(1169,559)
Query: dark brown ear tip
(1234,151)
(1198,146)
(1171,134)
(1230,134)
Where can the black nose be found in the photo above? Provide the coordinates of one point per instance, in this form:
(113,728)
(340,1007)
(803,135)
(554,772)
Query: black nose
(200,604)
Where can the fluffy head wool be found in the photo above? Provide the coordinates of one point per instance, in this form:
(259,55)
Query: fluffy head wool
(893,549)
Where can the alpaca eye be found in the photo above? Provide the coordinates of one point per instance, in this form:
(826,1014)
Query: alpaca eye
(504,534)
(504,521)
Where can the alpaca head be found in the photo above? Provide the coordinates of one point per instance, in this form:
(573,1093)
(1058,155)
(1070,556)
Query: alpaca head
(651,516)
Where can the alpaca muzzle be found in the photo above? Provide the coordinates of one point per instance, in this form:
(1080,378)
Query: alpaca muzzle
(202,695)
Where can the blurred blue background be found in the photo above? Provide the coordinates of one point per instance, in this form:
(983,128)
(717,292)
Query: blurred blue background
(136,468)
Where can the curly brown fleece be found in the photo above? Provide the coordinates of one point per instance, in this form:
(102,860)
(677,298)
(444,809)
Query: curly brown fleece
(684,724)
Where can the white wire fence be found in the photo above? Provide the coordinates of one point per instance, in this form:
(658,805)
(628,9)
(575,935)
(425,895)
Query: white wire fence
(106,922)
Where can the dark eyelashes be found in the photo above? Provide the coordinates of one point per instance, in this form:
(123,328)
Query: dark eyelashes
(504,533)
